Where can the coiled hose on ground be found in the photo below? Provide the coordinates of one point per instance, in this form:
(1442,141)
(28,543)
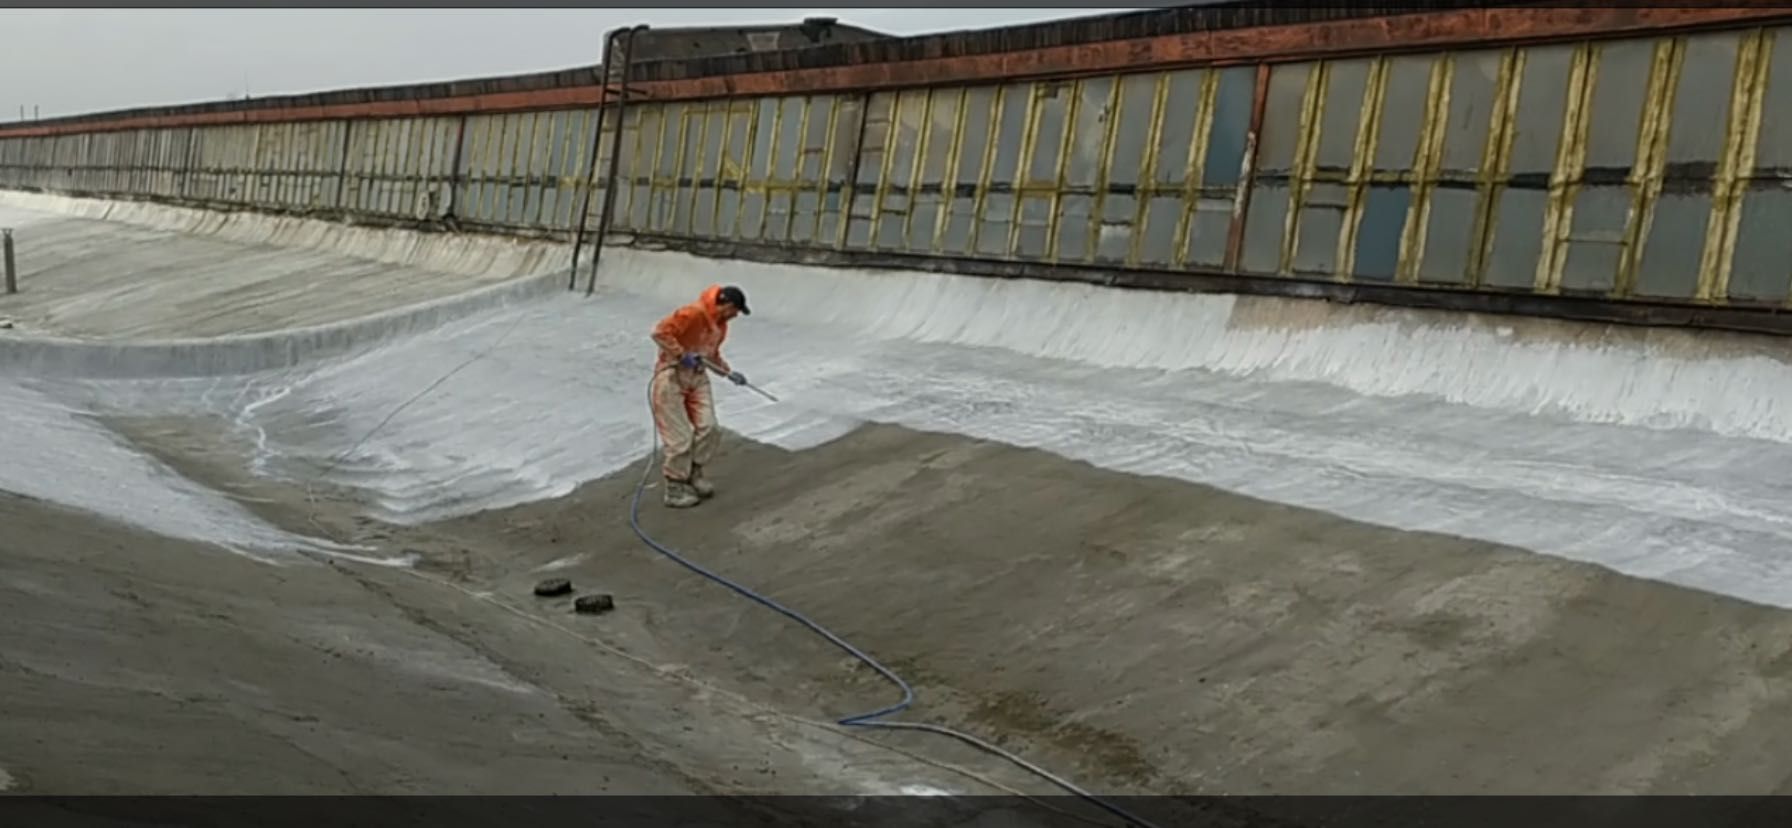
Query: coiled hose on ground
(875,718)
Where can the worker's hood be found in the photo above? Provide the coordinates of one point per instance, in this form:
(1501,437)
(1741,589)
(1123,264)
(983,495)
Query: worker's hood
(711,301)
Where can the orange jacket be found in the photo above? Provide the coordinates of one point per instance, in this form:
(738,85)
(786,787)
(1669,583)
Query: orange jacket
(696,328)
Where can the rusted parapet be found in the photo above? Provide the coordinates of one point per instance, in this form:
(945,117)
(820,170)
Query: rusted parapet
(929,60)
(1622,156)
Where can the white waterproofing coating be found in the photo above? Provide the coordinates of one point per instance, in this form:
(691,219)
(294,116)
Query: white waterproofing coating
(1657,455)
(55,453)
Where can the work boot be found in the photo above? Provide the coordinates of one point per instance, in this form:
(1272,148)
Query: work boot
(701,484)
(680,496)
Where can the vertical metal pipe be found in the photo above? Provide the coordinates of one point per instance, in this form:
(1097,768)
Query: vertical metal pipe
(1241,204)
(12,271)
(454,182)
(348,128)
(603,221)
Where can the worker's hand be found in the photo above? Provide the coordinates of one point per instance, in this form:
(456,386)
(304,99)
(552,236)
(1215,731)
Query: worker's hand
(692,361)
(737,378)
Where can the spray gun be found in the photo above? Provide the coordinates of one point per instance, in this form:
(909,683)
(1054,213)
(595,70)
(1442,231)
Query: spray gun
(751,387)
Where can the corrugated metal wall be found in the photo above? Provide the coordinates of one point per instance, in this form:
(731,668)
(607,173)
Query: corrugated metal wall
(1642,169)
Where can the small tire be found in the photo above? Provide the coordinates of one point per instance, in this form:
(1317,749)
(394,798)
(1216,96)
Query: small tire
(593,604)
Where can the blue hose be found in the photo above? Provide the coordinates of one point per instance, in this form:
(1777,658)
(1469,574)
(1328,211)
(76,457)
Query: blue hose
(865,720)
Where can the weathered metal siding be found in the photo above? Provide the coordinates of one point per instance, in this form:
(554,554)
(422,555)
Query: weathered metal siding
(1625,169)
(526,171)
(1647,169)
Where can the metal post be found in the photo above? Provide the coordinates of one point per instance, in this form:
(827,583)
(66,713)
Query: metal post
(603,221)
(12,270)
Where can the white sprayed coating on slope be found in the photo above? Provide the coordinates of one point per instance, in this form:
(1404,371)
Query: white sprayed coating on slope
(491,256)
(1623,378)
(503,271)
(562,403)
(1433,426)
(55,453)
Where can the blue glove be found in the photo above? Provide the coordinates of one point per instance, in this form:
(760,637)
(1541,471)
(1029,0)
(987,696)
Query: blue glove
(691,361)
(738,378)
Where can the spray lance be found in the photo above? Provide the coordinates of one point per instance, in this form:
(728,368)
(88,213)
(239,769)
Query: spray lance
(741,382)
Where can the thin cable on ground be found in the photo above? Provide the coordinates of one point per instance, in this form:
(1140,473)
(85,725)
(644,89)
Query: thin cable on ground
(310,490)
(481,354)
(867,720)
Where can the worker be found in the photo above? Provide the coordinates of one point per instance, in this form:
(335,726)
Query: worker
(684,412)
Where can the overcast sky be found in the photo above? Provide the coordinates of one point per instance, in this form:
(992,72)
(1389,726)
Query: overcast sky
(82,60)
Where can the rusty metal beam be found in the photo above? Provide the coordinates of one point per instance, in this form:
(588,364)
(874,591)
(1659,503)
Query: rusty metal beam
(1242,198)
(1422,31)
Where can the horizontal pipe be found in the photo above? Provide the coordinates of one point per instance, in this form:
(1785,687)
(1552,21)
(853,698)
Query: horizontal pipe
(1417,31)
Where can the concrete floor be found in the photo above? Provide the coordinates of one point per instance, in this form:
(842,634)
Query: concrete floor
(1140,635)
(136,664)
(1151,578)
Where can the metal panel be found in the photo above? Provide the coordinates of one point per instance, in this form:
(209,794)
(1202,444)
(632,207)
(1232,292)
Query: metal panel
(694,123)
(869,170)
(1538,104)
(1680,230)
(810,177)
(1462,179)
(1078,224)
(1649,168)
(762,135)
(842,164)
(1612,153)
(940,147)
(907,136)
(785,154)
(733,171)
(706,126)
(1758,199)
(1281,148)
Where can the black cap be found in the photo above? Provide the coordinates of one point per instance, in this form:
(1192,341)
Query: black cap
(733,296)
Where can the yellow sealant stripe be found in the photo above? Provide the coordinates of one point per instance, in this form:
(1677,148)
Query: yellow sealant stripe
(1356,180)
(1428,161)
(949,176)
(1194,167)
(1146,190)
(986,175)
(1646,172)
(1104,163)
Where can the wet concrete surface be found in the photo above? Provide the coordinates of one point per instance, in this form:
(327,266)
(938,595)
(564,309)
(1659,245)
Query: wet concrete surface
(1140,635)
(134,664)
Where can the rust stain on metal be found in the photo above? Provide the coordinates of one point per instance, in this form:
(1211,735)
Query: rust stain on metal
(1241,204)
(1409,32)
